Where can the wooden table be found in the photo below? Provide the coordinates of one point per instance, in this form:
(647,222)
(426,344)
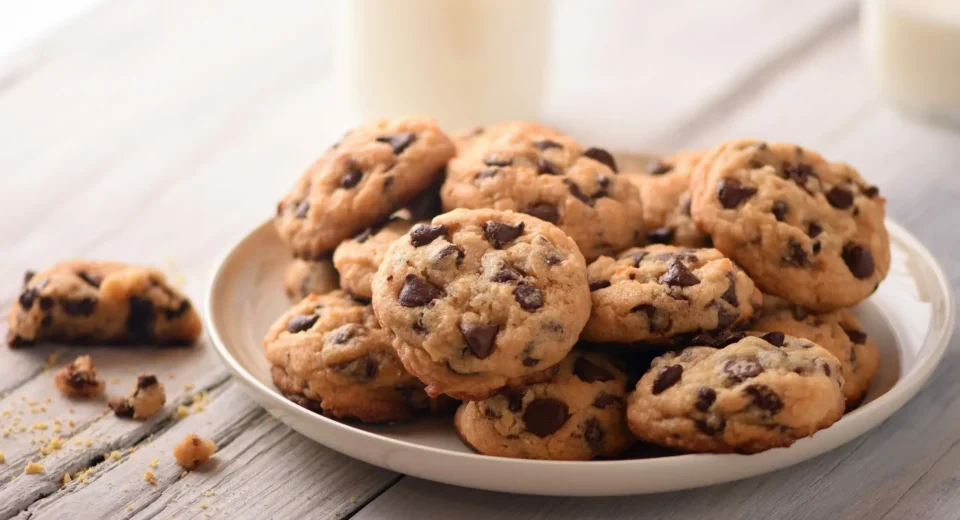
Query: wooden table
(161,131)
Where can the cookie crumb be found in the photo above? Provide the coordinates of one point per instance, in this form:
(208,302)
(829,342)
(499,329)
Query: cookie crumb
(3,458)
(155,463)
(203,505)
(148,398)
(182,411)
(34,468)
(353,500)
(129,508)
(183,474)
(115,455)
(193,450)
(51,360)
(79,379)
(150,477)
(209,493)
(66,479)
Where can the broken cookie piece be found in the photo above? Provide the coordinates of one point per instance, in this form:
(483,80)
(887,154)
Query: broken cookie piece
(148,398)
(79,379)
(193,451)
(101,302)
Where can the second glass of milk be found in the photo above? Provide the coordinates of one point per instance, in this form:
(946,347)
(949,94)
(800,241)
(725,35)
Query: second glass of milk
(465,62)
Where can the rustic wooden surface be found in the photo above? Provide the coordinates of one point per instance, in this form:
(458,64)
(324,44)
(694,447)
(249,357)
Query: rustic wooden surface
(160,131)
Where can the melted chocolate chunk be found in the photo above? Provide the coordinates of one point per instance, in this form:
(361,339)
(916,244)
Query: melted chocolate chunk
(658,168)
(81,307)
(545,167)
(705,398)
(423,234)
(840,198)
(546,144)
(774,338)
(662,235)
(678,275)
(351,178)
(140,321)
(764,398)
(480,338)
(739,370)
(730,295)
(529,297)
(858,260)
(545,416)
(91,280)
(668,376)
(417,292)
(500,234)
(590,372)
(599,284)
(544,211)
(398,142)
(602,156)
(301,322)
(731,193)
(604,400)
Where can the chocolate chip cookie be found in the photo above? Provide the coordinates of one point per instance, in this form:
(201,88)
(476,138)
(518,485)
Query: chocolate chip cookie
(666,200)
(330,355)
(805,229)
(357,259)
(361,180)
(665,294)
(305,277)
(754,394)
(532,169)
(102,302)
(838,332)
(577,415)
(479,300)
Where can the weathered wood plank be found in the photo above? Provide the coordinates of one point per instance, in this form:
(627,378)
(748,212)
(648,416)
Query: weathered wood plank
(262,469)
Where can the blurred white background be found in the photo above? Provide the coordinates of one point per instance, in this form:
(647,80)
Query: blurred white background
(22,22)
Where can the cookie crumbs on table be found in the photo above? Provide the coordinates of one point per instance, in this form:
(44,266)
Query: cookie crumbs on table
(147,398)
(79,379)
(193,451)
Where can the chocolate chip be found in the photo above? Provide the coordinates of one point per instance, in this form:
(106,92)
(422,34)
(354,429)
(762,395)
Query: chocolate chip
(577,192)
(593,434)
(816,247)
(499,234)
(398,142)
(360,369)
(799,173)
(46,302)
(351,178)
(730,339)
(857,336)
(726,318)
(678,275)
(417,292)
(27,276)
(668,376)
(710,429)
(507,274)
(740,369)
(419,327)
(764,398)
(795,255)
(730,295)
(302,209)
(658,168)
(141,319)
(603,182)
(662,235)
(636,256)
(544,211)
(780,209)
(514,400)
(122,408)
(596,285)
(814,229)
(546,144)
(602,156)
(840,198)
(647,309)
(146,381)
(27,298)
(301,322)
(604,400)
(487,173)
(858,260)
(552,258)
(590,372)
(449,250)
(545,416)
(529,297)
(172,314)
(705,398)
(492,160)
(731,193)
(423,234)
(92,280)
(480,338)
(826,369)
(774,338)
(530,362)
(343,334)
(81,307)
(545,167)
(871,191)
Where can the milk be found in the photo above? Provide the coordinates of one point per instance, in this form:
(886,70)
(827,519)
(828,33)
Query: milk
(465,62)
(914,49)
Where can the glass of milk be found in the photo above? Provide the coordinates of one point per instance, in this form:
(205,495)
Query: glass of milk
(465,62)
(913,47)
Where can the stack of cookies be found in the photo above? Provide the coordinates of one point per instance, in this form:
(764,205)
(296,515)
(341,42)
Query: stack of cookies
(572,309)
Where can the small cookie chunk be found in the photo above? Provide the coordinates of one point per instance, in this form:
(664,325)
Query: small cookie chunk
(79,379)
(304,277)
(148,398)
(807,230)
(666,200)
(838,332)
(577,415)
(357,259)
(529,168)
(656,293)
(109,302)
(329,354)
(193,451)
(482,299)
(755,394)
(361,180)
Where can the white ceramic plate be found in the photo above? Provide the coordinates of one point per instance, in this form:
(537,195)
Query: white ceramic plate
(910,316)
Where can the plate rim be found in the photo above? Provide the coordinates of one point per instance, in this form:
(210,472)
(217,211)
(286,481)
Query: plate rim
(873,413)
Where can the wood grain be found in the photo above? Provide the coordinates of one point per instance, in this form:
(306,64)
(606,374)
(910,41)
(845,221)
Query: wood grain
(160,132)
